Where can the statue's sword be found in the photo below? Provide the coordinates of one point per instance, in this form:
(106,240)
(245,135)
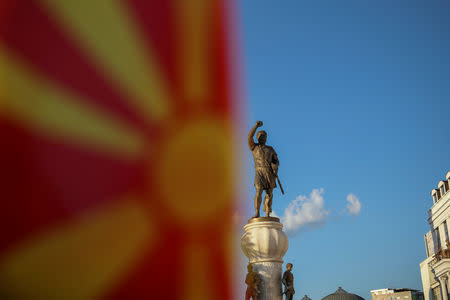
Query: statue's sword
(276,175)
(279,183)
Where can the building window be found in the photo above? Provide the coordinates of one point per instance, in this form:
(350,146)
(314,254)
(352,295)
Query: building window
(446,231)
(442,189)
(435,198)
(437,237)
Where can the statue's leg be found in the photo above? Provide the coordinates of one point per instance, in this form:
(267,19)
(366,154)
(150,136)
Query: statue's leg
(268,202)
(248,295)
(258,196)
(265,204)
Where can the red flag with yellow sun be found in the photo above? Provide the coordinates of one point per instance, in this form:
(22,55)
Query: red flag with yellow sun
(115,157)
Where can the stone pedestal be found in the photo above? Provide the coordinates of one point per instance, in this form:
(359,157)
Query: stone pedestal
(265,243)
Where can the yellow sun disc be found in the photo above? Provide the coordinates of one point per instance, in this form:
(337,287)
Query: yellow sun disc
(195,170)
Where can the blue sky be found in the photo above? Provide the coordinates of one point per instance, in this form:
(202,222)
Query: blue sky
(355,97)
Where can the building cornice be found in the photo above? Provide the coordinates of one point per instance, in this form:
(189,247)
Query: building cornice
(442,267)
(438,208)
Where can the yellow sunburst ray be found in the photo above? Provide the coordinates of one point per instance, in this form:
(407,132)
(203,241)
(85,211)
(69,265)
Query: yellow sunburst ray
(45,108)
(194,19)
(104,29)
(80,259)
(197,273)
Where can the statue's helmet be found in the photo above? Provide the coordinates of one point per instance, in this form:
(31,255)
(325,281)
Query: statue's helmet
(261,134)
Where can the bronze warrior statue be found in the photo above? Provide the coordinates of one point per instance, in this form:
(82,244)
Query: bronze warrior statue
(252,280)
(288,281)
(266,169)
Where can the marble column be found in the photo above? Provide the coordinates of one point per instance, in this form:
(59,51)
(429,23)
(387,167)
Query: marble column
(448,281)
(443,282)
(265,243)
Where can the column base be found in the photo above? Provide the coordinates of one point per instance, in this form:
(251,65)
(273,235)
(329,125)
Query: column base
(265,243)
(270,274)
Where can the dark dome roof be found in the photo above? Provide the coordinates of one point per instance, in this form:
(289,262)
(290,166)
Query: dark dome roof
(340,294)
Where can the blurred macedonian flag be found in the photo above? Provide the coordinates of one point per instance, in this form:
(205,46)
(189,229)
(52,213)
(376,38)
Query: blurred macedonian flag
(116,176)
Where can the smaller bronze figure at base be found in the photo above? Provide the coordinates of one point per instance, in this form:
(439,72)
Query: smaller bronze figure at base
(288,281)
(252,280)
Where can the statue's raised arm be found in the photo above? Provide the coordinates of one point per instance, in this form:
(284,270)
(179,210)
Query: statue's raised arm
(251,134)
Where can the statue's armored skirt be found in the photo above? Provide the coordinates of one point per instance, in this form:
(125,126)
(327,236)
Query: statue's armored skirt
(266,166)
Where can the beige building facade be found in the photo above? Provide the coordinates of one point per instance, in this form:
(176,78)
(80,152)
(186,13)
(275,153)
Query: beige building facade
(396,294)
(435,269)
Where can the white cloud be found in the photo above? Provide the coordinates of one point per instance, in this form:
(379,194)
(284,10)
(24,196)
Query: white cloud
(305,212)
(353,205)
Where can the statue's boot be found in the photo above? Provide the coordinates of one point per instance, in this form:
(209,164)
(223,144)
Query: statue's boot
(266,208)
